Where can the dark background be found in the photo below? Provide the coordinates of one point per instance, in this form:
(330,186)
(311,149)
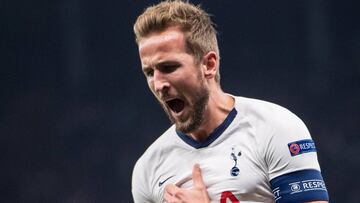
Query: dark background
(76,112)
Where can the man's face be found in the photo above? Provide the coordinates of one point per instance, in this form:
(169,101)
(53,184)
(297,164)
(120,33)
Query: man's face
(175,78)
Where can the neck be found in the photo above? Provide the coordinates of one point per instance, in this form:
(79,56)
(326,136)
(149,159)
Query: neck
(218,108)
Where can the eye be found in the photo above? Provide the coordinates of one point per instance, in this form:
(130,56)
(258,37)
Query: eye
(169,68)
(149,72)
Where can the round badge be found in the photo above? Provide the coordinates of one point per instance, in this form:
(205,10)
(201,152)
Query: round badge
(295,187)
(234,171)
(294,148)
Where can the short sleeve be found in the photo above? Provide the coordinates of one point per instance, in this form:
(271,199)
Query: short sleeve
(138,188)
(291,158)
(288,146)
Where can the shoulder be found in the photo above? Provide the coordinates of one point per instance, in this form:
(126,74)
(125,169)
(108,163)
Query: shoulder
(275,128)
(267,115)
(145,167)
(154,153)
(159,146)
(262,109)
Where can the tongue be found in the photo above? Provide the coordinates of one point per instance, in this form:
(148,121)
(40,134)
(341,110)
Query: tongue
(177,105)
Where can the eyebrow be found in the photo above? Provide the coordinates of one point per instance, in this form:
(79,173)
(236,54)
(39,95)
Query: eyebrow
(145,69)
(168,62)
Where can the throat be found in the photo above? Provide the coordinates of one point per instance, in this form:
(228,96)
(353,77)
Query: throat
(199,136)
(204,130)
(211,123)
(202,137)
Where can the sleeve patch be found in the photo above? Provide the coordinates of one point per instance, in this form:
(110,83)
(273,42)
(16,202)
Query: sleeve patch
(299,186)
(301,147)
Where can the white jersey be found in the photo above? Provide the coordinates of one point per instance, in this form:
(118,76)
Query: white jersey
(258,142)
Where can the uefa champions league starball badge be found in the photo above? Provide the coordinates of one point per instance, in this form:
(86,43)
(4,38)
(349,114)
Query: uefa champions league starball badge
(234,170)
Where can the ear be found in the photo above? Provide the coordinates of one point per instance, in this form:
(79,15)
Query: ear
(210,64)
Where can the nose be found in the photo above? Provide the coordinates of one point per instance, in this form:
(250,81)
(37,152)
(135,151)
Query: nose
(161,83)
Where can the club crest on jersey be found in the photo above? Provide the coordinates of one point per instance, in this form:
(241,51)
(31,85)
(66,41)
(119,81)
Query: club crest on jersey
(301,147)
(234,156)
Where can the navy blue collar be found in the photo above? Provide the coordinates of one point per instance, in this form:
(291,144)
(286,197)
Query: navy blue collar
(213,136)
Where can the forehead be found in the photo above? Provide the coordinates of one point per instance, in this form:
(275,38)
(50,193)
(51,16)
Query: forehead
(170,40)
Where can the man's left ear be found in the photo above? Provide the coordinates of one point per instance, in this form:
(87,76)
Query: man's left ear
(210,64)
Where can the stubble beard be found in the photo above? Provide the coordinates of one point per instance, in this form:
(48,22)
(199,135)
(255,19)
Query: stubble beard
(196,114)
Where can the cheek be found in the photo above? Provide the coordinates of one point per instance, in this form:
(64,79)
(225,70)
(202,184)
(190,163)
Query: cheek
(187,87)
(151,85)
(192,81)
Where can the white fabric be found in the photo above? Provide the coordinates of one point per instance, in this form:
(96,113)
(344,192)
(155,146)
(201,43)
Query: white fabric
(260,131)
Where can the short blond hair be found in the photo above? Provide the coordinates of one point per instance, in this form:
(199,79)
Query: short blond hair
(199,30)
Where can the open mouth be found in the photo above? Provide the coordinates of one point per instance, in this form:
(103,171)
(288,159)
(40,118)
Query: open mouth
(176,105)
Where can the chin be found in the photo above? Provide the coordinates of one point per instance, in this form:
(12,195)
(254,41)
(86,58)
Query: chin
(187,127)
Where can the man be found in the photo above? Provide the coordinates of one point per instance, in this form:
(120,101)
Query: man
(221,148)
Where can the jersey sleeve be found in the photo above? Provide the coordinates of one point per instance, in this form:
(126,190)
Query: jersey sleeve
(139,186)
(291,159)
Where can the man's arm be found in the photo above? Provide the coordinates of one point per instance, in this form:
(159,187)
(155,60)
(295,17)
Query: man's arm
(291,157)
(138,185)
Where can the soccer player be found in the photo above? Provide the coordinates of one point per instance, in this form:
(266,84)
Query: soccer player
(221,148)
